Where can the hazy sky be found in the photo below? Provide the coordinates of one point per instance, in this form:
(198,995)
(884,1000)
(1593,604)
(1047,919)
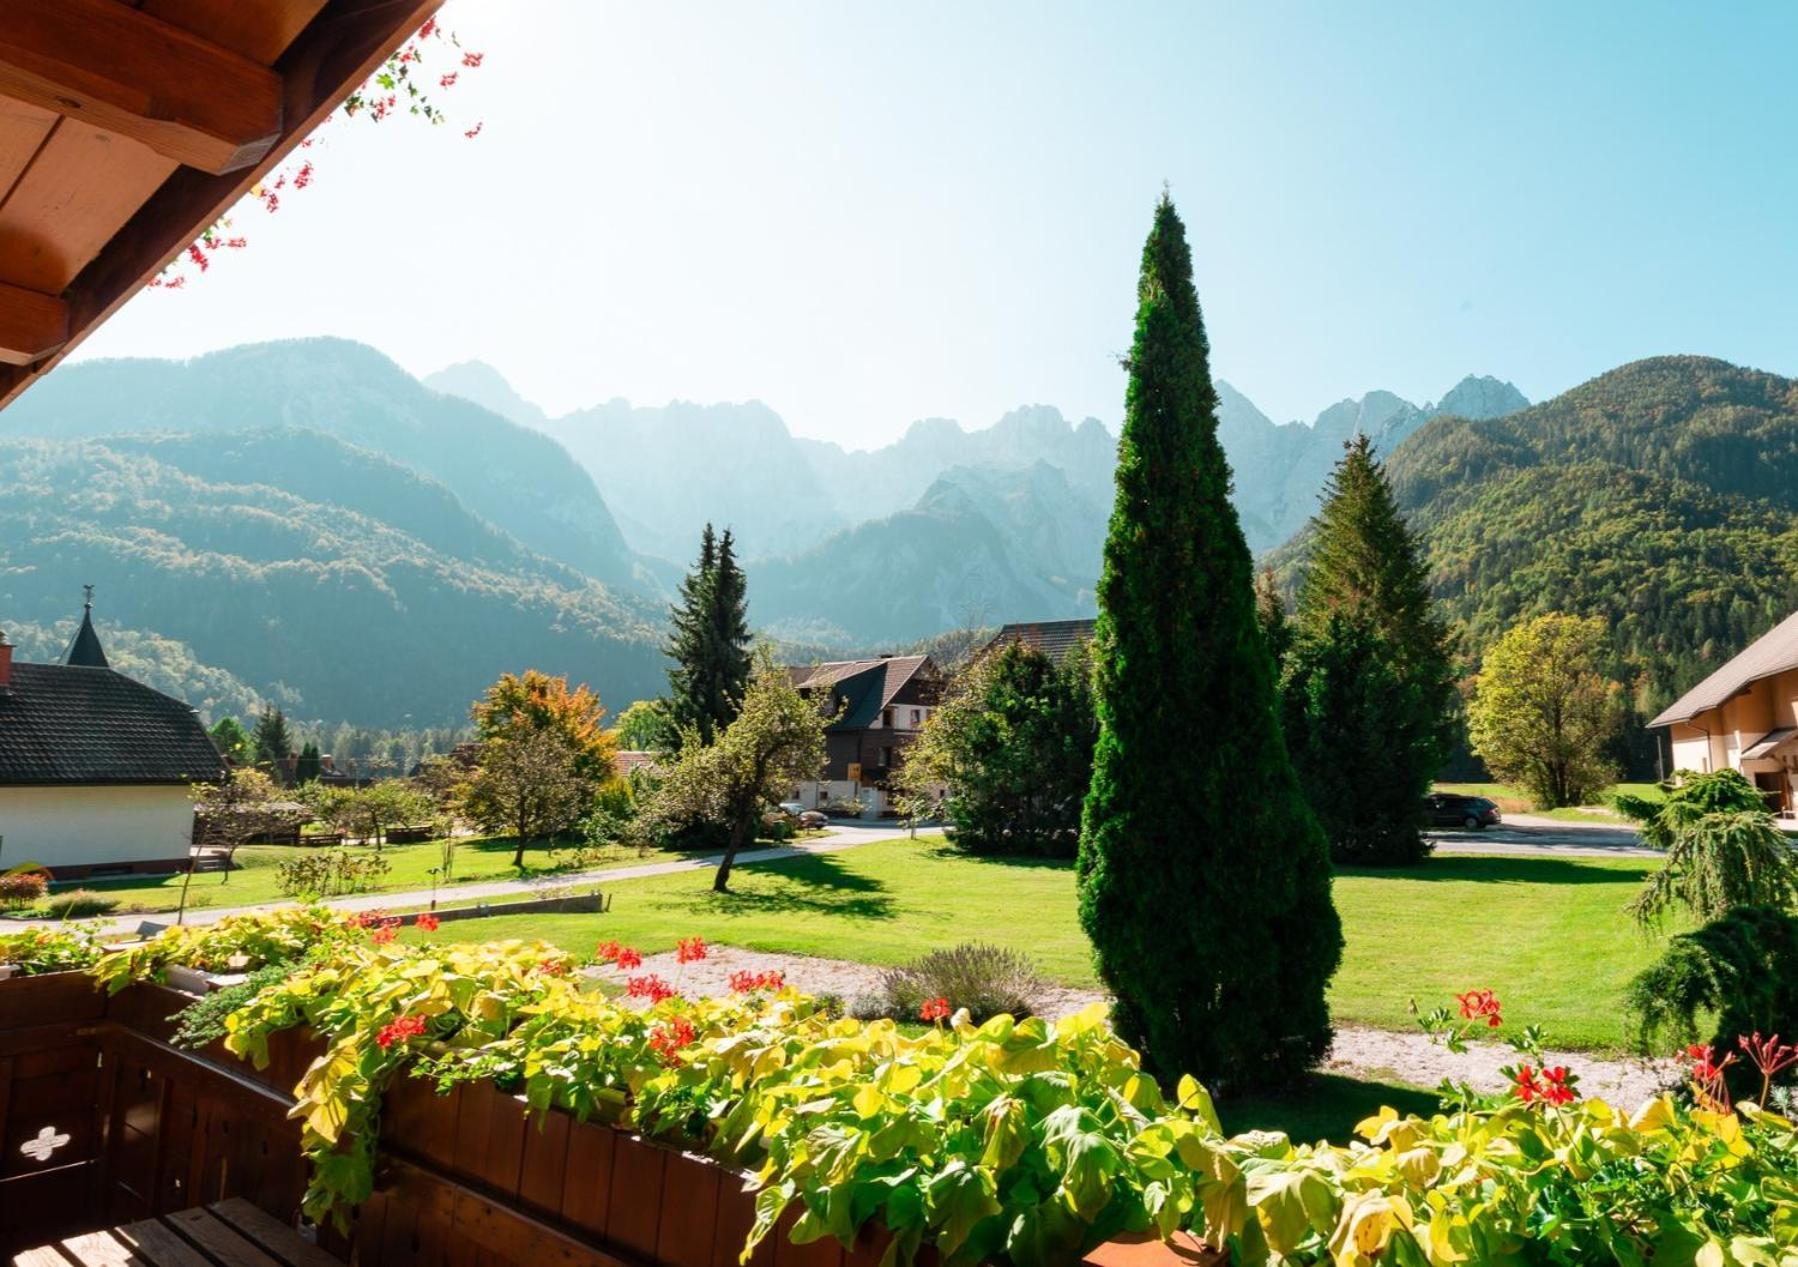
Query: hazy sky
(868,214)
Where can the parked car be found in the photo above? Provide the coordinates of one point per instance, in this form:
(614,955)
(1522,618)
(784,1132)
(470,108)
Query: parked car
(1451,809)
(812,818)
(793,808)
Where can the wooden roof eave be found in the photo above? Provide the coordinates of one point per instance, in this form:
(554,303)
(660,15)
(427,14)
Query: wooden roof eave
(344,42)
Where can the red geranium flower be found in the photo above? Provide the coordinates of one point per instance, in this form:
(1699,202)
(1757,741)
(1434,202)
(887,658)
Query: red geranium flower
(651,987)
(1555,1086)
(670,1036)
(689,949)
(427,923)
(1478,1005)
(750,982)
(934,1009)
(399,1030)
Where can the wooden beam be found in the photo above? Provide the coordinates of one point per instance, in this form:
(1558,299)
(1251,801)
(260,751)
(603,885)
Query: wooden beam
(130,73)
(32,325)
(344,45)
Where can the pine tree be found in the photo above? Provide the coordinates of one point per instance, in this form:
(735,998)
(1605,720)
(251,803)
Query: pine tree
(1364,559)
(730,633)
(306,769)
(690,640)
(1204,879)
(710,642)
(1370,706)
(273,743)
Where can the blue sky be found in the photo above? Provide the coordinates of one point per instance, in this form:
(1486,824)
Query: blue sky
(864,214)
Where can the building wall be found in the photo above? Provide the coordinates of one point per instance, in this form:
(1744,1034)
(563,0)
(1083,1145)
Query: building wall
(72,829)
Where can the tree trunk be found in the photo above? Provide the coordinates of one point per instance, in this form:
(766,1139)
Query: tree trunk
(721,881)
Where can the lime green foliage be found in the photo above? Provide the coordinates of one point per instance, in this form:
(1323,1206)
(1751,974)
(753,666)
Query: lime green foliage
(1723,848)
(1204,878)
(40,950)
(1370,707)
(1013,744)
(1017,1142)
(237,943)
(1543,713)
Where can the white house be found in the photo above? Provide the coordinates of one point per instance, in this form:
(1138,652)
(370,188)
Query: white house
(94,767)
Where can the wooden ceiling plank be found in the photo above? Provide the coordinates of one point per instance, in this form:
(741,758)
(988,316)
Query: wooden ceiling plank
(259,29)
(108,64)
(32,325)
(83,187)
(345,44)
(23,131)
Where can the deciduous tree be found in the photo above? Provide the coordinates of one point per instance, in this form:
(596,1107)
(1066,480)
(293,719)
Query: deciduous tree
(245,804)
(521,703)
(776,740)
(1544,714)
(232,740)
(1203,876)
(528,785)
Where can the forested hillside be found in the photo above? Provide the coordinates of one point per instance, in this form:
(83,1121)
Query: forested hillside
(378,598)
(1660,496)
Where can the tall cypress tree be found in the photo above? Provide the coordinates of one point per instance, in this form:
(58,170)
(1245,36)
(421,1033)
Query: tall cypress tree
(1365,617)
(1204,879)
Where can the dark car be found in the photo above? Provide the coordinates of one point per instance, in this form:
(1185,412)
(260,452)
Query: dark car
(1450,809)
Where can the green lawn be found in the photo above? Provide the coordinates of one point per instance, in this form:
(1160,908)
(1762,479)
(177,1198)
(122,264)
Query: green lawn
(254,879)
(1547,934)
(1514,800)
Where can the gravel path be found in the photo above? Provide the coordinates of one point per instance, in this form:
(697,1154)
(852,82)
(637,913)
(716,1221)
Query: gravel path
(1373,1054)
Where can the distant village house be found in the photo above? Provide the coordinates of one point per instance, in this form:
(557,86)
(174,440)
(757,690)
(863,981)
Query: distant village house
(95,767)
(882,704)
(1745,717)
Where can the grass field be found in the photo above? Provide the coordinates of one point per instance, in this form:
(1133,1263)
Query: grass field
(1548,934)
(1514,800)
(254,879)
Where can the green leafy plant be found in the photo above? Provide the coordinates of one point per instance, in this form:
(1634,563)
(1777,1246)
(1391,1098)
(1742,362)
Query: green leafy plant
(36,951)
(1718,861)
(203,1021)
(330,873)
(237,943)
(79,904)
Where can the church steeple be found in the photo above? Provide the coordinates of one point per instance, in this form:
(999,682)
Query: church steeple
(85,650)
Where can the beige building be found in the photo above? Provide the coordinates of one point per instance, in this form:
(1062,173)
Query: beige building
(1745,717)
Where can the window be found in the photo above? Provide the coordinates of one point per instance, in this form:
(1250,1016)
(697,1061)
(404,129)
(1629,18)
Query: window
(886,717)
(886,756)
(917,718)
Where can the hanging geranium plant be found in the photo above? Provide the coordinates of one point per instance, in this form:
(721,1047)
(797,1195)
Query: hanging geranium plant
(402,86)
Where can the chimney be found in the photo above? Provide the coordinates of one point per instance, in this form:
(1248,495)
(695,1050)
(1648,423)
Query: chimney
(5,663)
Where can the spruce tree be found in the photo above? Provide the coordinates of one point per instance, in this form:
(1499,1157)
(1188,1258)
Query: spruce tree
(689,642)
(1270,614)
(1370,703)
(1365,560)
(1204,879)
(730,634)
(273,743)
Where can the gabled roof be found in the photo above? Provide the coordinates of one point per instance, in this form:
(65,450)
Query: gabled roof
(1054,638)
(868,685)
(1773,652)
(71,724)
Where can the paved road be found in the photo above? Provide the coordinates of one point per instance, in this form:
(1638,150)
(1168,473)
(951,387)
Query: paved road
(1530,835)
(836,838)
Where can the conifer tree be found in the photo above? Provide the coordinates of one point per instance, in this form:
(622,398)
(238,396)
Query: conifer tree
(273,743)
(710,641)
(1370,703)
(1204,879)
(307,768)
(1270,614)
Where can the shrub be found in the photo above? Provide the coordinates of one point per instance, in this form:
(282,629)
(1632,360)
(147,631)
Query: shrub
(329,873)
(1741,970)
(203,1021)
(987,980)
(40,950)
(1687,797)
(1717,861)
(79,904)
(22,888)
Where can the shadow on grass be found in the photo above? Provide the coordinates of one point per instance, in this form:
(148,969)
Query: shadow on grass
(1015,861)
(1511,869)
(817,884)
(1324,1106)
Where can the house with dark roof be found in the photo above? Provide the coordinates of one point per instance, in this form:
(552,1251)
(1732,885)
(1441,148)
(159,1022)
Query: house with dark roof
(1744,717)
(1054,638)
(881,704)
(95,768)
